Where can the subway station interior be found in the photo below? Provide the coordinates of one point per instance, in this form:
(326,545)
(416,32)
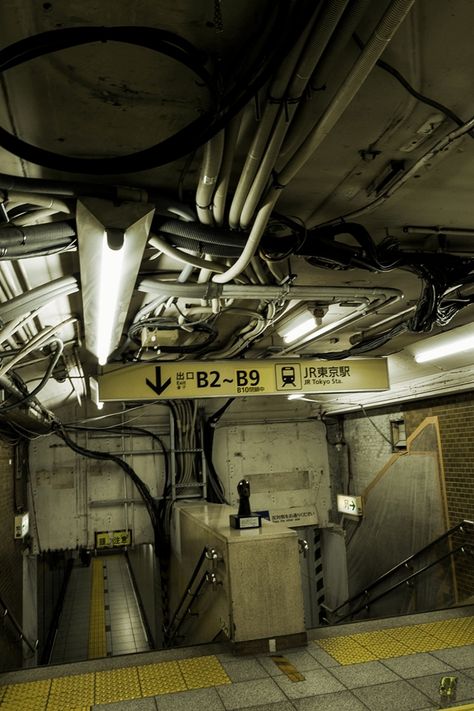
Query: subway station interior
(236,358)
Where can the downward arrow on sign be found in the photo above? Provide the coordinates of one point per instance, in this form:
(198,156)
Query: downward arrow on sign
(158,387)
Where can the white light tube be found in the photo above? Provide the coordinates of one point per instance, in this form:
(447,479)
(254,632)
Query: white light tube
(111,266)
(453,348)
(309,324)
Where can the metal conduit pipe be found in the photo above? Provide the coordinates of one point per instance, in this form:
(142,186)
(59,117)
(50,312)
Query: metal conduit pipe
(238,291)
(211,163)
(276,95)
(200,233)
(13,326)
(222,186)
(37,234)
(380,38)
(210,250)
(311,55)
(25,251)
(378,41)
(37,297)
(47,201)
(184,257)
(37,342)
(305,113)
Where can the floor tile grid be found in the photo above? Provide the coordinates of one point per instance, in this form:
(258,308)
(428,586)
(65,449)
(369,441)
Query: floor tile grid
(97,636)
(409,687)
(382,644)
(116,685)
(127,632)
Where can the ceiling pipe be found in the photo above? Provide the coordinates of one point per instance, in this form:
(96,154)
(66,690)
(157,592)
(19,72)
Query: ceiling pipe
(37,297)
(305,115)
(335,294)
(315,46)
(380,38)
(276,94)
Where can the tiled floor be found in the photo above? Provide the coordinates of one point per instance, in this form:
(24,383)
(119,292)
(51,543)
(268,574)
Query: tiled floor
(100,614)
(122,613)
(209,679)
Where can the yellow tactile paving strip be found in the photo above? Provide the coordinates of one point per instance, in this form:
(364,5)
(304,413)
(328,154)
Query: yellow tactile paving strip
(400,641)
(97,636)
(81,691)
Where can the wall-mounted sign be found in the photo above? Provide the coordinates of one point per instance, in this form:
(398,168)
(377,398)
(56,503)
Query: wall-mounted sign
(295,516)
(234,378)
(113,539)
(22,525)
(351,505)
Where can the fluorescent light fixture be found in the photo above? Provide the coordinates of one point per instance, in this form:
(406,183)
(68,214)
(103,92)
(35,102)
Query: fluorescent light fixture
(112,239)
(111,267)
(94,392)
(455,346)
(298,326)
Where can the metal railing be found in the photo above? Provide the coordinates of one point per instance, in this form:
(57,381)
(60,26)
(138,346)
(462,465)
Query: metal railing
(464,526)
(189,597)
(8,615)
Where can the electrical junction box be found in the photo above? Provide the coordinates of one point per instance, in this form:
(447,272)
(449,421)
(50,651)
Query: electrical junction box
(350,505)
(155,337)
(22,525)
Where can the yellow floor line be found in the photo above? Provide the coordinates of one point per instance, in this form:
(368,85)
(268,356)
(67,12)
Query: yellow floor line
(400,641)
(97,638)
(79,692)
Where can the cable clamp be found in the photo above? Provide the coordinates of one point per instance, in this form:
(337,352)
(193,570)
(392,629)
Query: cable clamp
(213,291)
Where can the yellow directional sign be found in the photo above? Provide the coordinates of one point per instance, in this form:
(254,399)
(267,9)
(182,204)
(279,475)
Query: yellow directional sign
(239,378)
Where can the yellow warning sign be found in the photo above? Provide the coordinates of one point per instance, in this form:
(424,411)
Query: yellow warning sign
(239,378)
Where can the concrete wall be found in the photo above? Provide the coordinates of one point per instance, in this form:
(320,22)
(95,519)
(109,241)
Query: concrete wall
(11,568)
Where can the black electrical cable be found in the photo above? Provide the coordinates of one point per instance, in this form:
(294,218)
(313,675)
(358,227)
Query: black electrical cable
(285,29)
(149,501)
(416,94)
(6,406)
(128,429)
(208,433)
(146,37)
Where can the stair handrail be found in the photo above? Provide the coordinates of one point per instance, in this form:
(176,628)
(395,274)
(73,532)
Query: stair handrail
(173,632)
(463,548)
(207,553)
(458,527)
(8,615)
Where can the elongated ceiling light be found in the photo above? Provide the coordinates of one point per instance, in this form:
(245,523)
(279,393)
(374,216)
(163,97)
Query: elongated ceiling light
(112,240)
(453,347)
(298,326)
